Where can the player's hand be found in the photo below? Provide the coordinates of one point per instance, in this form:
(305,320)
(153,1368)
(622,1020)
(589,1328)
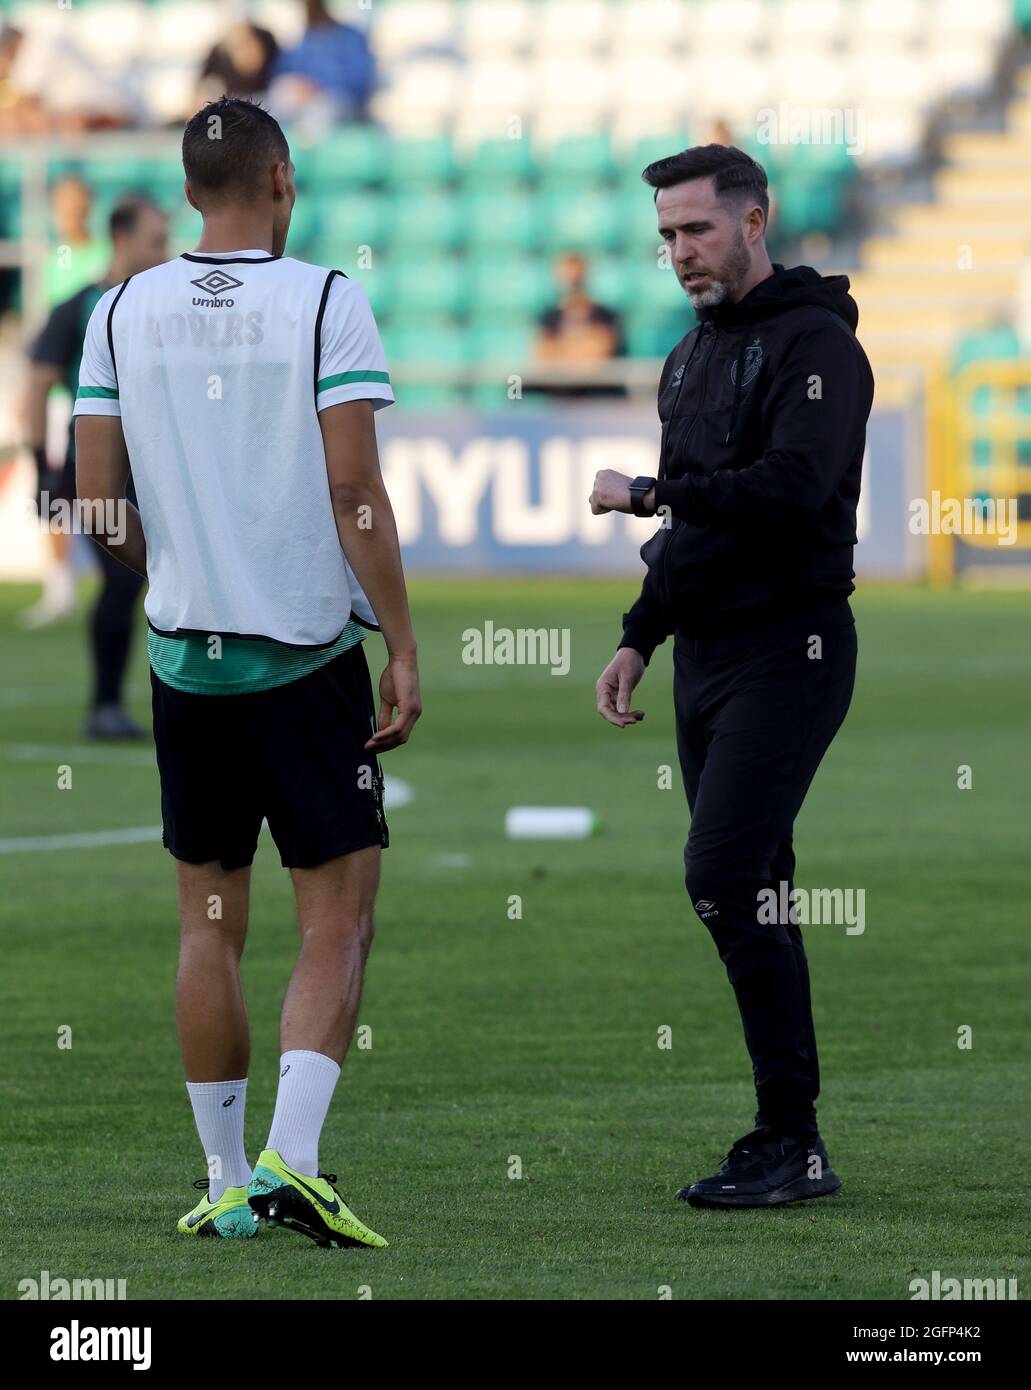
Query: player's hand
(611,492)
(615,686)
(398,690)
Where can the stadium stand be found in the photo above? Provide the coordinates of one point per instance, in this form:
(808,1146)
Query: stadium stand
(608,85)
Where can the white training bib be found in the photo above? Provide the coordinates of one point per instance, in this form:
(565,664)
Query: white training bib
(218,366)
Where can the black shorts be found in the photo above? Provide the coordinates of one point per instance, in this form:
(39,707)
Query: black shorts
(57,483)
(294,756)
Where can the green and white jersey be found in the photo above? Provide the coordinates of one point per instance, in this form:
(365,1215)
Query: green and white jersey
(218,366)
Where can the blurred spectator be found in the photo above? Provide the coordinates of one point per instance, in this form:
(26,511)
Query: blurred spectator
(720,133)
(139,240)
(48,85)
(77,257)
(239,65)
(328,77)
(577,329)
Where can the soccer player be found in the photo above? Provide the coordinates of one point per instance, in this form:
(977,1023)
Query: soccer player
(764,407)
(241,385)
(139,240)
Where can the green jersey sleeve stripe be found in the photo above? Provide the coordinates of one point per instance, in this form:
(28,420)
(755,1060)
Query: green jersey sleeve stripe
(104,393)
(346,378)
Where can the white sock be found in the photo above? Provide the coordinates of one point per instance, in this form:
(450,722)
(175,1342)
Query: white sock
(218,1110)
(59,585)
(306,1084)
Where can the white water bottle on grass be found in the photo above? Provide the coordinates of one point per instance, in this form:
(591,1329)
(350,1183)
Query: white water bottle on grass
(550,823)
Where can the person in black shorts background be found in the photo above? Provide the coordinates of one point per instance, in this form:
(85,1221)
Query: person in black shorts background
(139,240)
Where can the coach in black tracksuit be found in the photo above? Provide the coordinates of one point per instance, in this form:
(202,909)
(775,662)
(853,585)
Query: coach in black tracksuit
(764,407)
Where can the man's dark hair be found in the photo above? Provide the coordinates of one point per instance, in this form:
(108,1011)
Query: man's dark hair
(126,213)
(735,175)
(230,154)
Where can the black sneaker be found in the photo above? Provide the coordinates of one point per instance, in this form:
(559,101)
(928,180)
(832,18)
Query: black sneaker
(112,721)
(766,1170)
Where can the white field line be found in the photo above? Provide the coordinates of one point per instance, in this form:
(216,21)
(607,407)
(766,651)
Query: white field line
(396,793)
(96,839)
(80,753)
(50,696)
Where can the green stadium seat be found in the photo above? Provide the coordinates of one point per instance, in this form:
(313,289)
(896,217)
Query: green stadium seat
(500,164)
(807,203)
(649,148)
(379,284)
(581,221)
(657,334)
(421,161)
(998,342)
(352,218)
(436,217)
(414,337)
(651,288)
(638,220)
(350,156)
(507,342)
(185,225)
(431,284)
(501,220)
(578,159)
(10,196)
(609,283)
(427,338)
(304,221)
(512,284)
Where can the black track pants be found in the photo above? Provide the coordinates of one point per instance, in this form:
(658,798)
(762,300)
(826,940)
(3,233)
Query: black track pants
(755,714)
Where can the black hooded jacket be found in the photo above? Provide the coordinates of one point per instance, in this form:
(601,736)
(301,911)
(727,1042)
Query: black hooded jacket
(764,408)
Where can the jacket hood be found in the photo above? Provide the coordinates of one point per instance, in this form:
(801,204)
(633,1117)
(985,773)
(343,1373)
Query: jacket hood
(788,289)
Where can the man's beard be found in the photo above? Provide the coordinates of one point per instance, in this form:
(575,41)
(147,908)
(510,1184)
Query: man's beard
(725,281)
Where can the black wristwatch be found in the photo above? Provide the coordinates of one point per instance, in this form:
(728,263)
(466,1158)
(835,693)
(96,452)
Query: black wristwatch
(639,490)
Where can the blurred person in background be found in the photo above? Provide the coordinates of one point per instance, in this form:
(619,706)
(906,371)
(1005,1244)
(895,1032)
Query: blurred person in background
(239,65)
(720,133)
(577,329)
(326,78)
(48,85)
(78,258)
(139,240)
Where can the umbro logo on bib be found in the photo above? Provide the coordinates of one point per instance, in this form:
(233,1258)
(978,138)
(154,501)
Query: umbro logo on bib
(216,283)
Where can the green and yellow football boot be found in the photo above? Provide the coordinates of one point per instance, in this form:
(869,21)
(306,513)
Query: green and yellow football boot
(311,1206)
(230,1217)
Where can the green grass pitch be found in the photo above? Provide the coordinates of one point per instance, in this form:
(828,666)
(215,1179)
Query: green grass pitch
(531,1045)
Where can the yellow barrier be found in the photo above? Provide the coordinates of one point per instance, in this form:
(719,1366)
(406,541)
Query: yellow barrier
(973,445)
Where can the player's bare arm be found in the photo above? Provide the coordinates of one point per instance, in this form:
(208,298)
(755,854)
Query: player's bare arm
(101,473)
(368,536)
